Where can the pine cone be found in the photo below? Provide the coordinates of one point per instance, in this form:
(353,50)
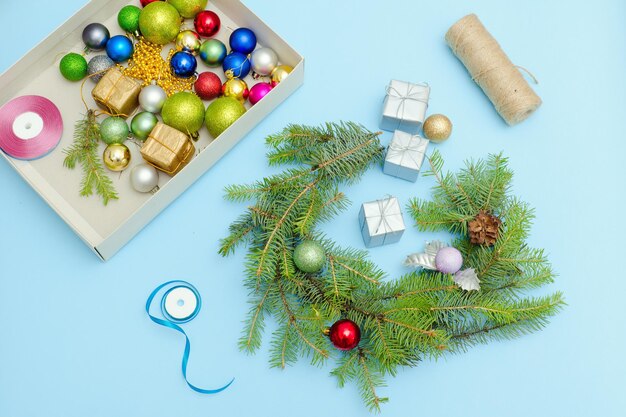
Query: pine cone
(484,229)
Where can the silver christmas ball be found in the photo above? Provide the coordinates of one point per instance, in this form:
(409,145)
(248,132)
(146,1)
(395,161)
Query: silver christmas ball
(96,36)
(263,61)
(152,98)
(144,178)
(98,65)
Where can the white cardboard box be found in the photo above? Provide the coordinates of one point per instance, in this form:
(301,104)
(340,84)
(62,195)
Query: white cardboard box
(107,229)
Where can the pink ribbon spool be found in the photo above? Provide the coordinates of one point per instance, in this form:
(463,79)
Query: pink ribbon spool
(30,127)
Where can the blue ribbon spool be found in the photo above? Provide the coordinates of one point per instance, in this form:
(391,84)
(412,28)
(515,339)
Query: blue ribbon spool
(180,304)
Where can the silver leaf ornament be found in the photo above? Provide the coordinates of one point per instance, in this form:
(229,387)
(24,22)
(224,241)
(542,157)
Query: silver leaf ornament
(467,280)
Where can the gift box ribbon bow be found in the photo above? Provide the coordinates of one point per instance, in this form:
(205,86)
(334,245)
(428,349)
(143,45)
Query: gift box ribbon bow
(384,210)
(414,92)
(411,149)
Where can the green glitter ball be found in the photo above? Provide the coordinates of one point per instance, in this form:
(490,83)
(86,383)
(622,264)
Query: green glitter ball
(188,8)
(159,22)
(114,130)
(183,111)
(128,18)
(309,256)
(73,67)
(222,113)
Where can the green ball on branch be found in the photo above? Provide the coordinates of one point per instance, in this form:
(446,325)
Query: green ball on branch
(309,256)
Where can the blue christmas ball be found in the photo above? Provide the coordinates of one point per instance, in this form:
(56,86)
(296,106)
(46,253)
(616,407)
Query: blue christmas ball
(243,40)
(119,48)
(183,64)
(236,65)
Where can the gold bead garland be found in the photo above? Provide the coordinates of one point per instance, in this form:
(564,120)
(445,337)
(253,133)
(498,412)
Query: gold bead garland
(148,65)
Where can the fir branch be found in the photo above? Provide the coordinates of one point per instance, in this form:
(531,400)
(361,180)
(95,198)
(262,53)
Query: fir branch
(368,382)
(84,151)
(421,314)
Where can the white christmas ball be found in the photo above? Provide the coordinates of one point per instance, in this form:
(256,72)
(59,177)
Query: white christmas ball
(263,61)
(152,98)
(144,178)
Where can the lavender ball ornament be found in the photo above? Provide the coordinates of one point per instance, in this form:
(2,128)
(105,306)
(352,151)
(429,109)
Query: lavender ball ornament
(448,260)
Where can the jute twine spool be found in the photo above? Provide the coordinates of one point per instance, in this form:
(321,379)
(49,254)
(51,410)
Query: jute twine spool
(492,69)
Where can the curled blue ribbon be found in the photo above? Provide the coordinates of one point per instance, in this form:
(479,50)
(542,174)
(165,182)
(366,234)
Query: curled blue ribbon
(171,325)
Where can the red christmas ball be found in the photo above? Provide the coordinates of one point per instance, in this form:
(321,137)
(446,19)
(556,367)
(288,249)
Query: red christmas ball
(144,3)
(345,334)
(208,86)
(207,23)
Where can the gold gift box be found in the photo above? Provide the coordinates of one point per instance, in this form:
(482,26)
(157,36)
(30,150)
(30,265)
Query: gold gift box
(167,149)
(117,93)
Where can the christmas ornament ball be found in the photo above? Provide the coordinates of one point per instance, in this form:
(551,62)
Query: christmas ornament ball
(183,111)
(159,22)
(183,64)
(345,334)
(280,73)
(236,88)
(96,36)
(188,41)
(114,130)
(128,18)
(263,61)
(116,157)
(222,113)
(97,67)
(151,98)
(242,40)
(236,65)
(258,91)
(73,67)
(309,256)
(120,48)
(208,86)
(448,260)
(212,52)
(144,178)
(188,8)
(207,23)
(437,128)
(144,3)
(142,124)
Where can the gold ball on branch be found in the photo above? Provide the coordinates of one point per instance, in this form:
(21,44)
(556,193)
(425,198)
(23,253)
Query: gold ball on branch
(116,157)
(437,128)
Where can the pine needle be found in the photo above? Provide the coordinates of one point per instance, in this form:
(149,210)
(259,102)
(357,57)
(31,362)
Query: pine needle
(84,151)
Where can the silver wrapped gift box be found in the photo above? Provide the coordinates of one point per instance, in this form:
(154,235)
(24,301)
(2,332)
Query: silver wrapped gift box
(405,106)
(381,222)
(405,155)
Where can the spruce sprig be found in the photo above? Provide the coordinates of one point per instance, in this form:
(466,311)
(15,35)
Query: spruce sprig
(423,314)
(84,150)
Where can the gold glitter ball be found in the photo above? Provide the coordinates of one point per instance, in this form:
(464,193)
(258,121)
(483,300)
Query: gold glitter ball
(437,128)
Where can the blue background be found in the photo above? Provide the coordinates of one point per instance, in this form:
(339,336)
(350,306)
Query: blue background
(75,340)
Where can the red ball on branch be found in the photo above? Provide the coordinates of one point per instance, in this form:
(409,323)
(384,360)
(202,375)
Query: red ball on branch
(345,334)
(208,86)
